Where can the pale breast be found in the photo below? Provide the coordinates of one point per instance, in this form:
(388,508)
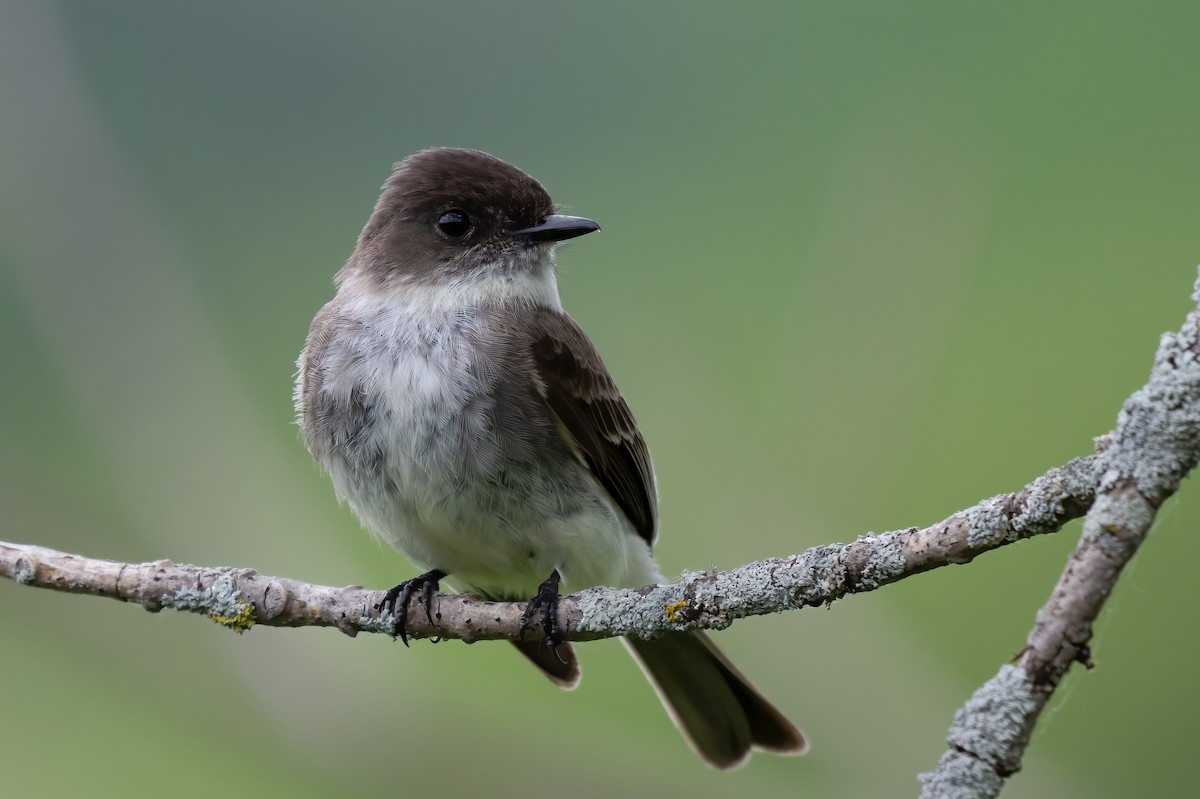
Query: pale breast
(437,444)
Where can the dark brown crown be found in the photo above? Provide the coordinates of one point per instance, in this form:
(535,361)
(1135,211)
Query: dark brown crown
(430,182)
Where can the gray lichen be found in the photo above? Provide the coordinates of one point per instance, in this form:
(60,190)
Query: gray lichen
(886,562)
(220,601)
(1118,514)
(24,573)
(992,719)
(620,611)
(960,776)
(987,524)
(1158,430)
(1045,500)
(983,737)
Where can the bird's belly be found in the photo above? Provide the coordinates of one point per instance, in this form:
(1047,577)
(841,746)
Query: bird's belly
(497,507)
(503,542)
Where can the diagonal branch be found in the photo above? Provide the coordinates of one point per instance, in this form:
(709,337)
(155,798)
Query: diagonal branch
(1140,465)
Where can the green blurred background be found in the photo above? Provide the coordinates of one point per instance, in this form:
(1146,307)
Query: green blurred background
(862,265)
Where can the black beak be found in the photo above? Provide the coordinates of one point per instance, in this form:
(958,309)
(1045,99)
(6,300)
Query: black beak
(556,227)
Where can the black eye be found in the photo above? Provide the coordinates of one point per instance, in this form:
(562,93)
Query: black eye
(454,223)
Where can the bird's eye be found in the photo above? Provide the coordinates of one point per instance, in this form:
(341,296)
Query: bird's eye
(454,224)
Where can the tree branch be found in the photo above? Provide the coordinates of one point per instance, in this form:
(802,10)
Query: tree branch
(240,598)
(1140,465)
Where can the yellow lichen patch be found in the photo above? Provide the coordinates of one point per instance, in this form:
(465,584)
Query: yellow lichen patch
(239,622)
(674,608)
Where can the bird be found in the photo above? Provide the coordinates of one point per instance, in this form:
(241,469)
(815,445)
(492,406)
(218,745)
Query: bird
(467,420)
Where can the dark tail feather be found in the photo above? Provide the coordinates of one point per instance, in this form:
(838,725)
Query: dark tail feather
(720,713)
(559,663)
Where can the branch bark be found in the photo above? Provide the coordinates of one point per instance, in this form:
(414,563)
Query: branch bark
(1140,464)
(1136,468)
(240,598)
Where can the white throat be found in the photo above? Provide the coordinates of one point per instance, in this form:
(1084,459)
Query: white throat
(533,283)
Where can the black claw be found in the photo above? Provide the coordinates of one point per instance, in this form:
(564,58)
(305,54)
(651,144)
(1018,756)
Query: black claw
(544,607)
(395,601)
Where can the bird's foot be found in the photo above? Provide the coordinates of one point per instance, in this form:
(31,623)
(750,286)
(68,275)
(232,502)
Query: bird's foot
(395,601)
(544,608)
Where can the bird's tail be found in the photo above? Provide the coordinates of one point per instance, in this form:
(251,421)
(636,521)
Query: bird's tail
(558,663)
(720,713)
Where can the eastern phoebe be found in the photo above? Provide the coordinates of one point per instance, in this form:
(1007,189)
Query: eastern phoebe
(468,421)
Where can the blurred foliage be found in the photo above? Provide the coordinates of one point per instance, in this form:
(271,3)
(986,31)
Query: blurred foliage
(862,265)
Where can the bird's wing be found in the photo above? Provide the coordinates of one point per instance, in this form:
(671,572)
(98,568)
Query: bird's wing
(577,387)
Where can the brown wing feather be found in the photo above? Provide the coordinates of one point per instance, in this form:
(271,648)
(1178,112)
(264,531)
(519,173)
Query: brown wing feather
(580,392)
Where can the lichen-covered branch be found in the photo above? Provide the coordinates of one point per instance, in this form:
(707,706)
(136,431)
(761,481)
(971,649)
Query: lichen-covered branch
(1139,465)
(240,598)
